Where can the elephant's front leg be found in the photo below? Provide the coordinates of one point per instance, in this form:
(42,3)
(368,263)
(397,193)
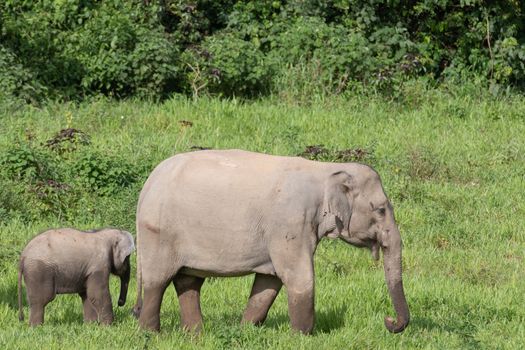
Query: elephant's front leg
(301,307)
(297,274)
(264,291)
(98,295)
(188,290)
(90,314)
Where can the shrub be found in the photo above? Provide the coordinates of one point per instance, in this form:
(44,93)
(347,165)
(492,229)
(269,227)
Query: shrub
(227,65)
(31,181)
(24,162)
(191,22)
(508,65)
(82,47)
(13,202)
(16,80)
(56,178)
(69,49)
(103,174)
(123,51)
(36,31)
(336,54)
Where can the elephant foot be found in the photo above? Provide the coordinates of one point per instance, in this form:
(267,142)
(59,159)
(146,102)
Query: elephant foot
(36,316)
(194,328)
(301,310)
(150,327)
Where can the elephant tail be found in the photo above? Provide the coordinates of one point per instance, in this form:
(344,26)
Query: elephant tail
(20,308)
(138,305)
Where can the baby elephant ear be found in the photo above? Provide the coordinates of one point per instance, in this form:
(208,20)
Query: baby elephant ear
(123,247)
(338,199)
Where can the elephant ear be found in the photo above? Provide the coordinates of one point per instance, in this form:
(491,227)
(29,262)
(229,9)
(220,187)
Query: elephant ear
(122,248)
(337,208)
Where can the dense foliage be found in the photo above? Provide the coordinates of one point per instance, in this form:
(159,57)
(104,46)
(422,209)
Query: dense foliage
(73,48)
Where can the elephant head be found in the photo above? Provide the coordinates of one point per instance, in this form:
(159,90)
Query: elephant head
(122,248)
(357,210)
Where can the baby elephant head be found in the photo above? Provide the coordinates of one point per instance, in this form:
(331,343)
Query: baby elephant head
(122,248)
(363,216)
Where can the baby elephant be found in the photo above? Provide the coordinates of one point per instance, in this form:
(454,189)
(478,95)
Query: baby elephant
(66,260)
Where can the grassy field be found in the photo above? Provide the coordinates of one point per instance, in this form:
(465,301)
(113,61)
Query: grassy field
(453,166)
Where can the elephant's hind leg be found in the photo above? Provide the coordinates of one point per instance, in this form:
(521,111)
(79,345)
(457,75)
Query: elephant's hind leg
(188,290)
(40,285)
(150,314)
(264,291)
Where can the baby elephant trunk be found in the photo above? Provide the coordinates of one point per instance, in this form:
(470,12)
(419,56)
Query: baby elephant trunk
(124,282)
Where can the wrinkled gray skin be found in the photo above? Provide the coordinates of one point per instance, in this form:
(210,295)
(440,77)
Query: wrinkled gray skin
(231,213)
(66,260)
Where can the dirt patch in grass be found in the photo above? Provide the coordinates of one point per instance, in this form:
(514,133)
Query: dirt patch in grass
(67,140)
(321,153)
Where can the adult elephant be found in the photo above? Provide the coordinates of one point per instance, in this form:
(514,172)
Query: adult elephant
(232,213)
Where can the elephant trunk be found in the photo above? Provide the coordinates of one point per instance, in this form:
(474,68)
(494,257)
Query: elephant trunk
(394,281)
(124,282)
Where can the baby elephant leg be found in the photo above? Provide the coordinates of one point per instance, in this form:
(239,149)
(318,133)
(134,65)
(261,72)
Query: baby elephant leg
(90,314)
(264,291)
(40,285)
(97,292)
(188,290)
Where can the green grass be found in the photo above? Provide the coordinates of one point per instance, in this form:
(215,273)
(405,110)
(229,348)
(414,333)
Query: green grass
(454,168)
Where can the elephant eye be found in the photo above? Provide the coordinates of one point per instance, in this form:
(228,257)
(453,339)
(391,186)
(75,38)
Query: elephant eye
(381,211)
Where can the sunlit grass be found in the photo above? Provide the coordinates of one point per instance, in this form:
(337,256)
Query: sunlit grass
(453,167)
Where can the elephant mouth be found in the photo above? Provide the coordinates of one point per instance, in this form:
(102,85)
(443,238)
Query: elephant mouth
(371,244)
(354,240)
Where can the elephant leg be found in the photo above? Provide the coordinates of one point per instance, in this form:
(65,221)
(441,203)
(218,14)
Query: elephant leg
(298,277)
(36,314)
(149,318)
(188,290)
(98,295)
(264,291)
(301,308)
(90,314)
(40,286)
